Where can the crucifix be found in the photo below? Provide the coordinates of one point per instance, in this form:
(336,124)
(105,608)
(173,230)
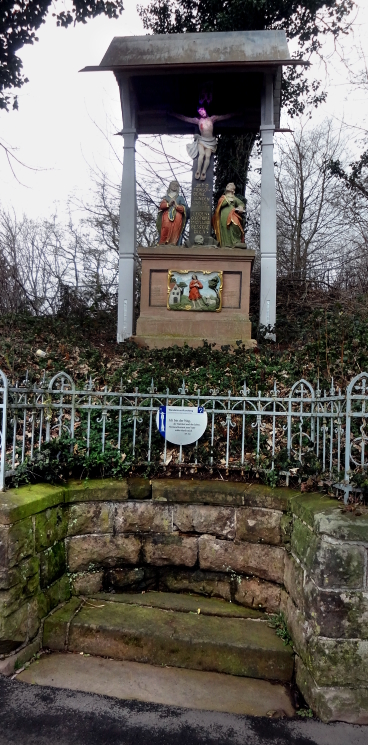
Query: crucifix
(202,150)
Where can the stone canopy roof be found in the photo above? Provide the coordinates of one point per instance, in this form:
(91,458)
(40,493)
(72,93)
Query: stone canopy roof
(168,71)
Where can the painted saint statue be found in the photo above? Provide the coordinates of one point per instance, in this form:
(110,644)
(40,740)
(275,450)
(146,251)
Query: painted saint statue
(172,216)
(227,220)
(204,143)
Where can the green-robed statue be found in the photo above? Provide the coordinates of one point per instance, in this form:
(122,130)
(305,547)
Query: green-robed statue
(227,220)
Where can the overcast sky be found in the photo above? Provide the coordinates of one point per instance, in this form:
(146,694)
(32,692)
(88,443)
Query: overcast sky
(65,118)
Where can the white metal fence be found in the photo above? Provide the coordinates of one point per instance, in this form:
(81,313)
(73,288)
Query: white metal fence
(305,431)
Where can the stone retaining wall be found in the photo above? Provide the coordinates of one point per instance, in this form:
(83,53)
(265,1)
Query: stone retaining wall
(134,535)
(326,606)
(263,548)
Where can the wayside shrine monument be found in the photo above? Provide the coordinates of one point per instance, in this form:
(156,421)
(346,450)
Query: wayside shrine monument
(183,84)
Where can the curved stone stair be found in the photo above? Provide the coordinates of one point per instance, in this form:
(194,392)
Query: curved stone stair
(170,629)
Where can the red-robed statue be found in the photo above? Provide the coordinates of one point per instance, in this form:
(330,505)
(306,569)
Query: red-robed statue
(194,286)
(172,216)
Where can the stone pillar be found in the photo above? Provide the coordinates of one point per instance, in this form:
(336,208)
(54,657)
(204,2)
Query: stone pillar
(128,218)
(201,205)
(267,315)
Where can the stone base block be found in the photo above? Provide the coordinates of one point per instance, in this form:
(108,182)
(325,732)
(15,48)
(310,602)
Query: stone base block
(333,704)
(158,326)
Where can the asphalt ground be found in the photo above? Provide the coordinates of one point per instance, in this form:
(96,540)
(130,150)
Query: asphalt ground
(39,715)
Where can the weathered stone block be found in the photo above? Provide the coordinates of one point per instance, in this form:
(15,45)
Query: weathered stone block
(294,579)
(258,594)
(52,564)
(9,665)
(286,527)
(90,517)
(14,597)
(20,541)
(50,526)
(16,504)
(138,579)
(198,518)
(300,629)
(57,593)
(91,551)
(86,583)
(19,575)
(212,584)
(143,517)
(262,561)
(304,543)
(344,526)
(3,546)
(330,563)
(55,628)
(332,704)
(198,492)
(15,626)
(161,550)
(260,495)
(337,614)
(306,506)
(139,488)
(258,525)
(333,662)
(97,490)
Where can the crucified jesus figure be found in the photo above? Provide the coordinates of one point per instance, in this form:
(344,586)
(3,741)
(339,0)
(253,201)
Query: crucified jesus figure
(204,143)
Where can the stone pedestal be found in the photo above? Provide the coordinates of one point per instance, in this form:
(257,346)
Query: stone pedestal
(157,326)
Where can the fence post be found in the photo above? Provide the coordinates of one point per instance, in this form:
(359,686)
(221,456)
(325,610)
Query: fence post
(3,422)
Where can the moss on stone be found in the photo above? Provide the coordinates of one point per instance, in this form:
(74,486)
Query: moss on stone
(52,564)
(139,488)
(307,506)
(20,541)
(50,526)
(232,645)
(304,543)
(97,490)
(16,504)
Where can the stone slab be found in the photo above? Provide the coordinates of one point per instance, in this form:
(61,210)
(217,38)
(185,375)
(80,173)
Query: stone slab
(184,604)
(16,504)
(243,647)
(96,490)
(192,689)
(56,626)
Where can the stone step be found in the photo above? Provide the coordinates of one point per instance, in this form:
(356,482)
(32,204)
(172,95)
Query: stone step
(171,686)
(167,629)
